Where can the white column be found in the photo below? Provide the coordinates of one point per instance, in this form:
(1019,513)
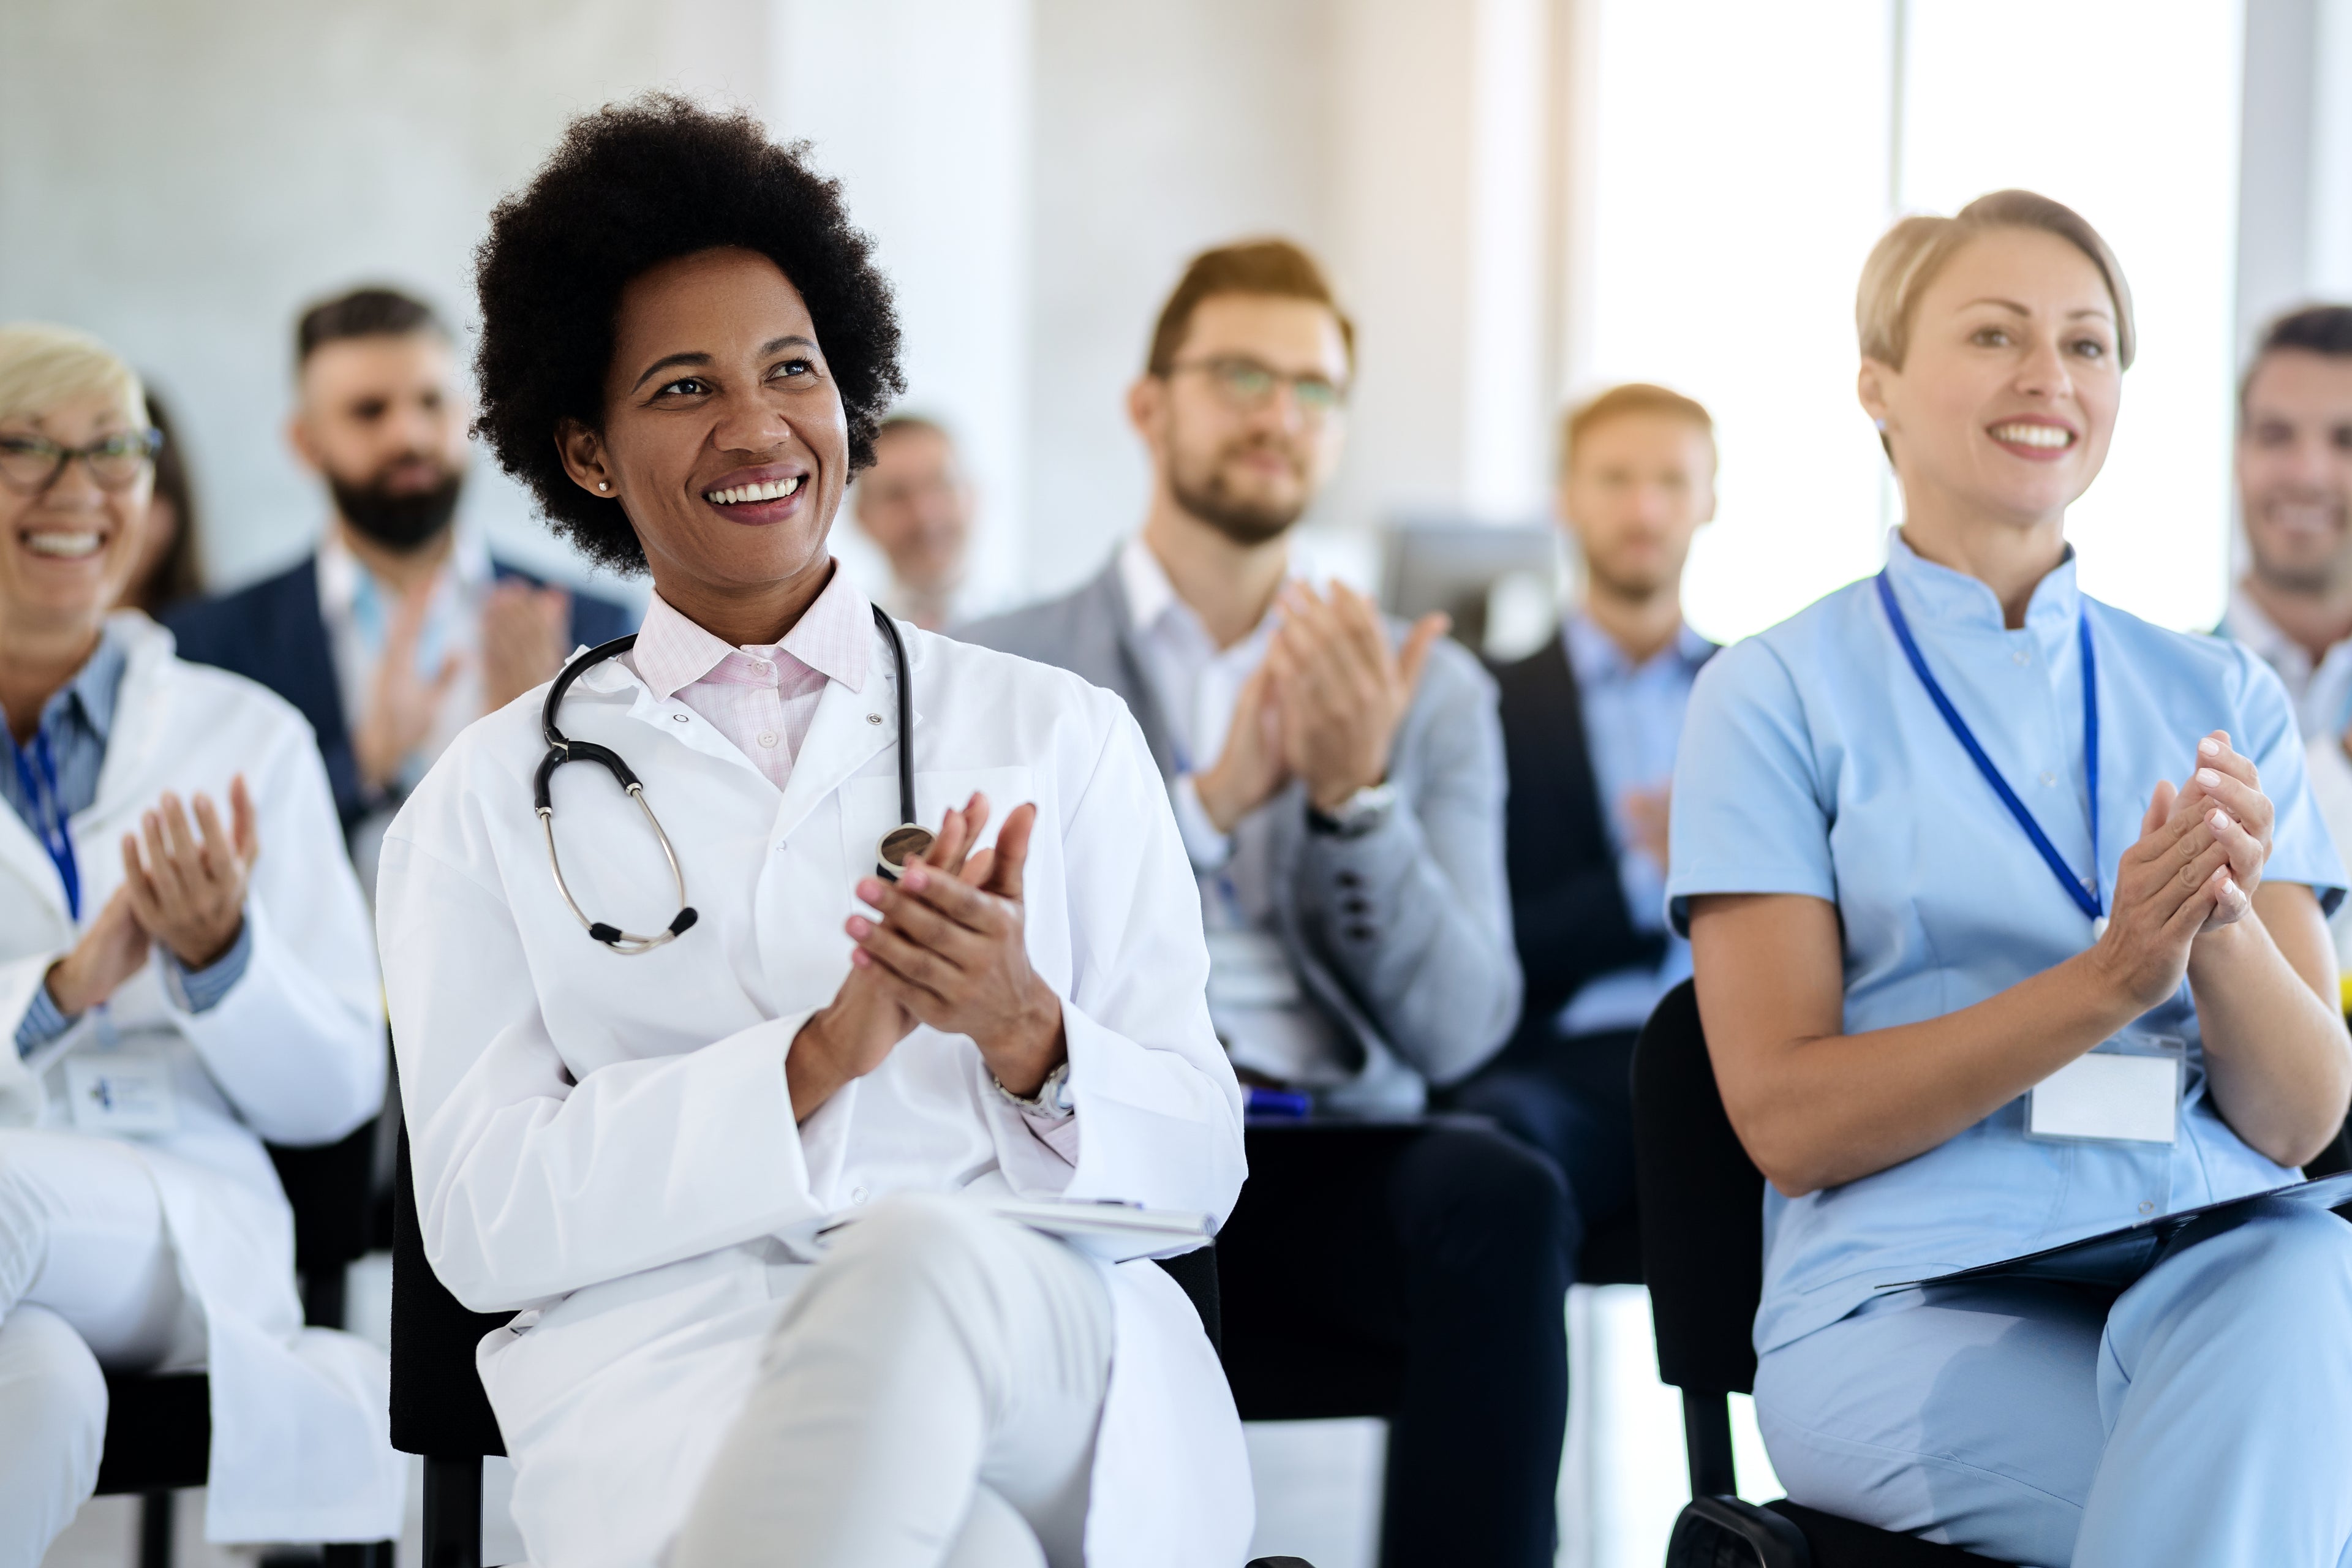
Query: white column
(1445,163)
(2330,256)
(921,108)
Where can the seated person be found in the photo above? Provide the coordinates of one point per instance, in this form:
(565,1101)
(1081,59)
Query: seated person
(915,505)
(2294,604)
(185,970)
(632,1144)
(401,629)
(1590,721)
(171,566)
(1339,784)
(1930,856)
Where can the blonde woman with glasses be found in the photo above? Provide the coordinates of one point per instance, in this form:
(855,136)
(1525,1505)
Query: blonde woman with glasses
(185,970)
(1955,843)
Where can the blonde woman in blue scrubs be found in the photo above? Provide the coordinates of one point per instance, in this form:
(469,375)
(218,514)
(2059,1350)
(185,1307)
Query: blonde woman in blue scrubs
(1940,878)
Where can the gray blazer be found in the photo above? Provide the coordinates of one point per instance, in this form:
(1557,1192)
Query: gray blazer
(1402,936)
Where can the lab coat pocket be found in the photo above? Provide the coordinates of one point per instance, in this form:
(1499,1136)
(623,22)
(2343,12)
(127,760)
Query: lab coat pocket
(869,805)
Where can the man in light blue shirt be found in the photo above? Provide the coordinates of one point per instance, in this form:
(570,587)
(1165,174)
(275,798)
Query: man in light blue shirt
(1590,724)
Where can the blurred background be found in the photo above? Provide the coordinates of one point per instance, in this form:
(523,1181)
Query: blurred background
(1523,200)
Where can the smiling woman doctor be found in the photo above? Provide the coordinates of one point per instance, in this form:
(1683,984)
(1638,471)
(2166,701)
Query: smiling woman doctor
(1937,882)
(685,349)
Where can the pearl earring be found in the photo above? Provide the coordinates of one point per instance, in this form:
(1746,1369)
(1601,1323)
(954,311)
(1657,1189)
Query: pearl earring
(603,485)
(1881,424)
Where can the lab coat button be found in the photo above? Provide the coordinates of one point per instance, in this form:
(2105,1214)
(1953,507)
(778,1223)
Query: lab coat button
(874,717)
(2047,778)
(2020,656)
(679,719)
(858,1195)
(2147,1208)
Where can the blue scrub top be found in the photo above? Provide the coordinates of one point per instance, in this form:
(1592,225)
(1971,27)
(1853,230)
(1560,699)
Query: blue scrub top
(1814,762)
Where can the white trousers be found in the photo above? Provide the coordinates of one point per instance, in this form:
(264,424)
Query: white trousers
(88,1279)
(928,1400)
(2204,1417)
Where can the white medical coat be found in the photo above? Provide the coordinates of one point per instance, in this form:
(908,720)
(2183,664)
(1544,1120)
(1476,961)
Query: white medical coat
(605,1144)
(294,1053)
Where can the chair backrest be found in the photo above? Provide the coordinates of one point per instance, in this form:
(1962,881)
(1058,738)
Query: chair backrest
(438,1408)
(1701,1201)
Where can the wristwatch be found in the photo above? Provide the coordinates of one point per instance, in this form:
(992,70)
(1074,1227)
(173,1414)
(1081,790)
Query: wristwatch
(1355,816)
(1052,1102)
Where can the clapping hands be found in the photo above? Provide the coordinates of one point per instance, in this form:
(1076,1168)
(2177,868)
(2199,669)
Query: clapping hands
(184,888)
(1323,707)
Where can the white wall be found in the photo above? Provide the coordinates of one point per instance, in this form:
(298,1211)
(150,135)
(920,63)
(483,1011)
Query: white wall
(182,179)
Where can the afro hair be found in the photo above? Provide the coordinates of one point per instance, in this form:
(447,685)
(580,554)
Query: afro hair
(630,186)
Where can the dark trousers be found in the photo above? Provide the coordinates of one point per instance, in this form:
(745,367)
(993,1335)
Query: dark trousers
(1417,1272)
(1572,1101)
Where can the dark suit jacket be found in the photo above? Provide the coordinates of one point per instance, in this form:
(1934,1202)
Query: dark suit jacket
(1568,906)
(273,633)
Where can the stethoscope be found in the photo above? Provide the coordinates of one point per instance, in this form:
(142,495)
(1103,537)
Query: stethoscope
(909,838)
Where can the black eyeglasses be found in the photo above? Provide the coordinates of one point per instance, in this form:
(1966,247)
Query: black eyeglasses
(31,464)
(1248,385)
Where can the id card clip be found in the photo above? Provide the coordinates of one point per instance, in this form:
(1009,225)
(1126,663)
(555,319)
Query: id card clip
(2126,1090)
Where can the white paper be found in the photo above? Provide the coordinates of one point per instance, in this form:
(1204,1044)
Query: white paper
(2109,1096)
(1249,969)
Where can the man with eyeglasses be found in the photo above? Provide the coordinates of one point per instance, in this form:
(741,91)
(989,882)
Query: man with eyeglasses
(1339,782)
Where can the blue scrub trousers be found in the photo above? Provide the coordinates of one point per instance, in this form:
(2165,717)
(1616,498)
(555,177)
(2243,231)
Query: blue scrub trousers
(2204,1417)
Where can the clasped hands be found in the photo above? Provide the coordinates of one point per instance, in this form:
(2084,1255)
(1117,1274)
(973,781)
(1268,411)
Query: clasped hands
(947,951)
(2193,872)
(1323,707)
(186,890)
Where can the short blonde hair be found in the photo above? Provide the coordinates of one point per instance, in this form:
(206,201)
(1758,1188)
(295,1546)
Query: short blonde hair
(43,367)
(1631,397)
(1909,256)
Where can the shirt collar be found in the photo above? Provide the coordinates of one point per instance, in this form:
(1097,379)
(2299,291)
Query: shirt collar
(94,689)
(2250,624)
(1594,655)
(1151,597)
(1937,595)
(830,637)
(340,571)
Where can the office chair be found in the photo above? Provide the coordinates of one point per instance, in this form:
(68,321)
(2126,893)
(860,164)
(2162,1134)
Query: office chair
(1703,1251)
(440,1413)
(1280,1372)
(159,1428)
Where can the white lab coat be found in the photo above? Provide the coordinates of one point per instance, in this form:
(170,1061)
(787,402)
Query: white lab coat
(294,1053)
(605,1145)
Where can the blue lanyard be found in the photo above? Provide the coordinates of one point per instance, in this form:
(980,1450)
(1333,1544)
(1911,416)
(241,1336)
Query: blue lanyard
(2084,890)
(41,790)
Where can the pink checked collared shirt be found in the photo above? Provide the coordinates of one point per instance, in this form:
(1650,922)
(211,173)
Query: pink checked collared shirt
(761,699)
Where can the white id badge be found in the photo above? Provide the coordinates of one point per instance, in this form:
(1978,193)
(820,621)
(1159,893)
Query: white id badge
(1249,969)
(2124,1091)
(121,1091)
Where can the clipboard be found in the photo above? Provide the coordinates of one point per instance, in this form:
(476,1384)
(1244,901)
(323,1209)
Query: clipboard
(2115,1260)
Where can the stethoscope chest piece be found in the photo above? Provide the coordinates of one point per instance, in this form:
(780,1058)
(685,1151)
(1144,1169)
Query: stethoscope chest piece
(900,844)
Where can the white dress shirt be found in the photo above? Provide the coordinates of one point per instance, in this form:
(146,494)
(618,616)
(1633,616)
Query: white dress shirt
(1267,1024)
(2321,691)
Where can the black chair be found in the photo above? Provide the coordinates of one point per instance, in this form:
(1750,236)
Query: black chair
(1703,1250)
(159,1429)
(440,1413)
(1281,1371)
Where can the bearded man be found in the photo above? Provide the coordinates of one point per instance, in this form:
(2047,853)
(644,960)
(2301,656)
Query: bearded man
(1339,782)
(400,629)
